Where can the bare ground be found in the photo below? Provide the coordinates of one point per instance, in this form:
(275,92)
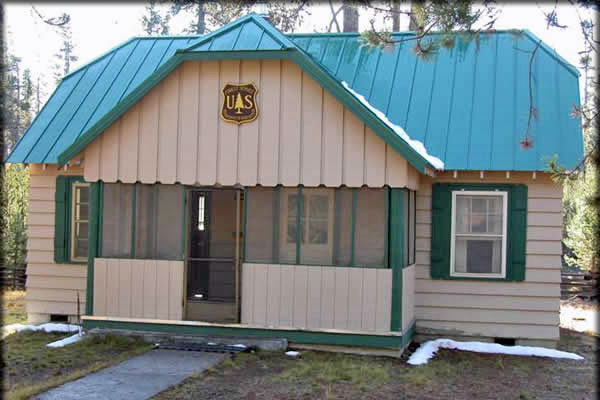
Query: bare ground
(450,375)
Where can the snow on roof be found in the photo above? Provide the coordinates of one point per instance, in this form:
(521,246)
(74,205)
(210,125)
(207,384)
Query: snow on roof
(415,144)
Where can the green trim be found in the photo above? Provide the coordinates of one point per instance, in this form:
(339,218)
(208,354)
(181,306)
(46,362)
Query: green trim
(93,244)
(133,218)
(294,336)
(300,204)
(516,231)
(314,265)
(63,218)
(245,226)
(396,255)
(386,256)
(353,225)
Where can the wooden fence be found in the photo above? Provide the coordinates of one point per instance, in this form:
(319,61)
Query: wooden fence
(12,277)
(584,285)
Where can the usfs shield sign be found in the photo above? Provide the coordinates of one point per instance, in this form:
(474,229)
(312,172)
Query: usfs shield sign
(239,103)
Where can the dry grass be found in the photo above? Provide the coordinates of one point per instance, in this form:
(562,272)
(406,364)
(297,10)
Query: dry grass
(31,367)
(13,307)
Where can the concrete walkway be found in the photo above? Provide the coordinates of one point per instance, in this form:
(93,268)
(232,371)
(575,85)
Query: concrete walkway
(137,378)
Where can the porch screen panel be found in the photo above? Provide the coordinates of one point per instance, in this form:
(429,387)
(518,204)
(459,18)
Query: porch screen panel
(262,225)
(370,224)
(116,220)
(342,235)
(158,223)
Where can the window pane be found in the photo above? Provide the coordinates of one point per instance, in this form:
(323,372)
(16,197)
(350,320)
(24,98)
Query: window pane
(83,194)
(262,225)
(81,230)
(463,210)
(158,224)
(369,237)
(81,248)
(116,220)
(478,255)
(288,215)
(317,225)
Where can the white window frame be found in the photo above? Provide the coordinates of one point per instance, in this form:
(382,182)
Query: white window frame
(504,195)
(74,220)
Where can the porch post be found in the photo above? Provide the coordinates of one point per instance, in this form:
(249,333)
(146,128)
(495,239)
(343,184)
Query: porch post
(396,247)
(94,227)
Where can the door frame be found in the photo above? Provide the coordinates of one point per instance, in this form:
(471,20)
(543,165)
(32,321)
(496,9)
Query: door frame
(239,191)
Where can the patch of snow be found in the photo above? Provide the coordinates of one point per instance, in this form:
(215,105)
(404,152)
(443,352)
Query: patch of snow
(292,353)
(48,328)
(415,144)
(211,344)
(66,341)
(578,318)
(428,349)
(241,346)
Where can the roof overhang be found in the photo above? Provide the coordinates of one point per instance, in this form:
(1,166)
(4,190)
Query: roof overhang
(304,61)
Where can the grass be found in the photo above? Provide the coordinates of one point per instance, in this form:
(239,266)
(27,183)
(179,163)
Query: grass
(32,368)
(449,375)
(13,307)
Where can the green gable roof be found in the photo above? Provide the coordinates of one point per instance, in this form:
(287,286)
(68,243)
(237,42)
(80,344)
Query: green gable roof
(467,105)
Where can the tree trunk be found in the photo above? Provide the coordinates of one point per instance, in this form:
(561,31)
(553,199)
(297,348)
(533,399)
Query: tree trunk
(200,21)
(395,16)
(350,19)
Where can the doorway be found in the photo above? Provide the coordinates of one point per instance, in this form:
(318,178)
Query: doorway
(213,255)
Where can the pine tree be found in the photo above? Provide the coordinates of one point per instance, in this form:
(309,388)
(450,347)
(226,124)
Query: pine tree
(66,54)
(155,23)
(239,104)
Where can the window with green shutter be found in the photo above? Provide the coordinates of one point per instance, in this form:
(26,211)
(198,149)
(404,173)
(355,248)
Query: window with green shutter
(478,231)
(71,220)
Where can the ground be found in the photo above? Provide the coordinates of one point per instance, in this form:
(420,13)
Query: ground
(13,307)
(450,375)
(31,368)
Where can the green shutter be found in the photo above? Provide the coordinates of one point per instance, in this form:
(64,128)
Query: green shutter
(61,214)
(517,233)
(441,214)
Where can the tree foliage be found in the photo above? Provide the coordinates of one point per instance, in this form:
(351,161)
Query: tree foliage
(66,54)
(14,205)
(154,22)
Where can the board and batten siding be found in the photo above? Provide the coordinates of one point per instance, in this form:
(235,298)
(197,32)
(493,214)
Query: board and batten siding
(51,288)
(302,135)
(317,297)
(408,297)
(528,309)
(130,288)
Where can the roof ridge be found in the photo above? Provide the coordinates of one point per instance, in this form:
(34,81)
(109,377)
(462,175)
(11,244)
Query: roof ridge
(275,34)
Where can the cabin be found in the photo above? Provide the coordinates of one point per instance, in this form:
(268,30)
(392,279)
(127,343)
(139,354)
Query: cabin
(250,183)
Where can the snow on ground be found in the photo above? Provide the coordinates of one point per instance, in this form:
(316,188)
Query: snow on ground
(415,144)
(578,317)
(48,327)
(292,353)
(66,341)
(428,349)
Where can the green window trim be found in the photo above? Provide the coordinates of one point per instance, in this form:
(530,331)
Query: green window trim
(63,219)
(516,231)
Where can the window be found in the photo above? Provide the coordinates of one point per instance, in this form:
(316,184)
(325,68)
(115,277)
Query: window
(150,215)
(317,226)
(478,233)
(80,211)
(72,210)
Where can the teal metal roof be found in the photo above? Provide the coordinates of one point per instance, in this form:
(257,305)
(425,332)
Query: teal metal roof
(468,105)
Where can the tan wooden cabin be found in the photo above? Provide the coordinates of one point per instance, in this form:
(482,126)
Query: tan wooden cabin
(253,184)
